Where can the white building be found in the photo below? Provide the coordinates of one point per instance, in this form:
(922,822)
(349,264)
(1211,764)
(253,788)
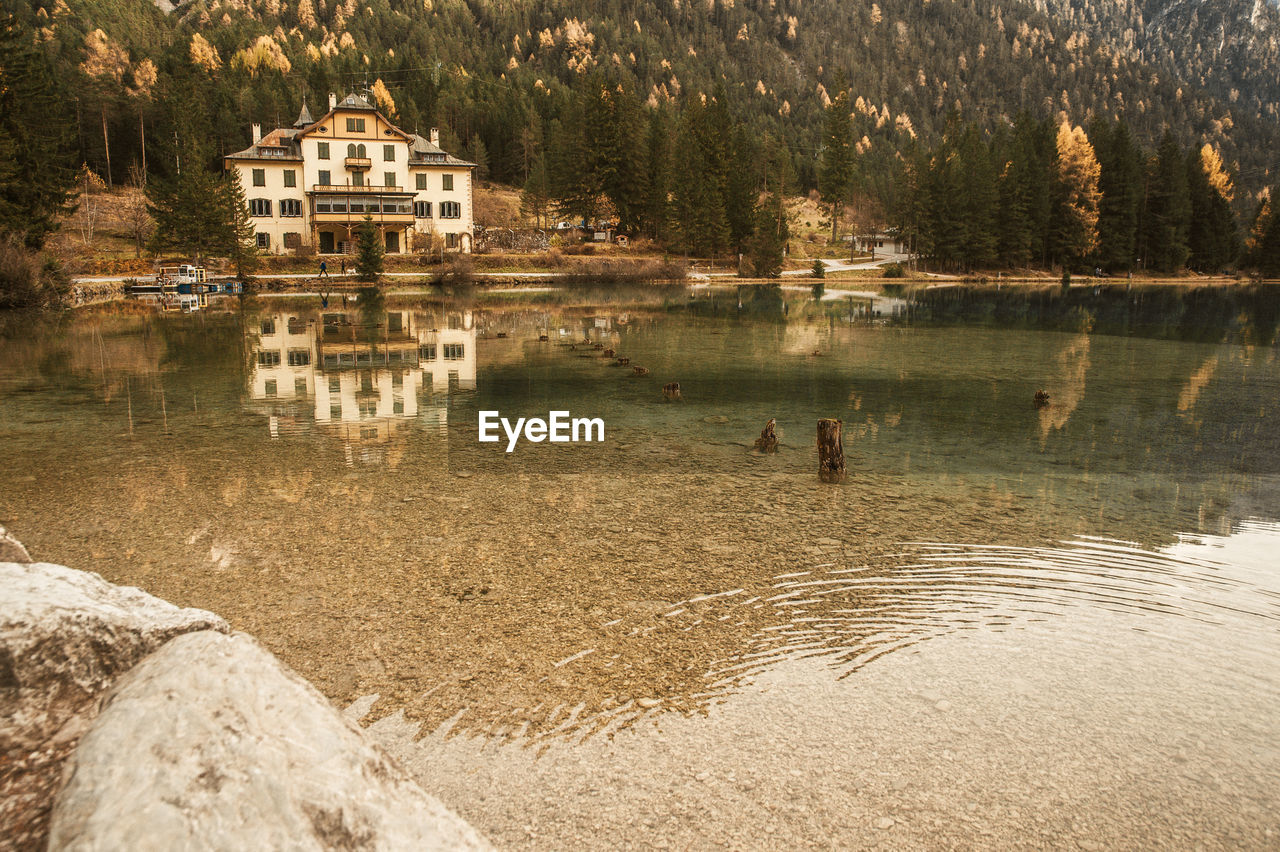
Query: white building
(313,184)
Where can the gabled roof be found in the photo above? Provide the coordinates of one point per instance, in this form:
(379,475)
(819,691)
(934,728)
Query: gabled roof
(354,101)
(285,143)
(423,152)
(280,144)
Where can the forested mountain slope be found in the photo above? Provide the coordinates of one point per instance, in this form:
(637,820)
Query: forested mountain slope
(493,75)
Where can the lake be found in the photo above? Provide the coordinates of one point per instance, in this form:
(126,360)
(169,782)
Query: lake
(1009,626)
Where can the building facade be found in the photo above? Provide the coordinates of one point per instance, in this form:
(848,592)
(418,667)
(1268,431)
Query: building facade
(313,184)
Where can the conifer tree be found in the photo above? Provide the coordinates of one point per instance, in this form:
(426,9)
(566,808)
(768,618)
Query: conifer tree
(1264,237)
(1168,209)
(836,172)
(1120,182)
(535,199)
(243,249)
(979,195)
(1212,235)
(699,207)
(768,243)
(37,171)
(1074,226)
(190,208)
(657,212)
(369,251)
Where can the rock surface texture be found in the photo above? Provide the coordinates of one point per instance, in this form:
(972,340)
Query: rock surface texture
(65,636)
(212,743)
(11,550)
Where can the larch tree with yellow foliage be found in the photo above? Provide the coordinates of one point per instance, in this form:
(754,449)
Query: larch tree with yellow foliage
(1213,239)
(1074,218)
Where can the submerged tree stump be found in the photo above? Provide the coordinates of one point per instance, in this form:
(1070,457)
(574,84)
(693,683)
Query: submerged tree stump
(640,371)
(622,362)
(609,353)
(768,440)
(542,338)
(1042,398)
(830,451)
(671,392)
(597,346)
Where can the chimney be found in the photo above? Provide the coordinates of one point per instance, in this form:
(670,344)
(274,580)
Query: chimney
(257,133)
(435,137)
(333,101)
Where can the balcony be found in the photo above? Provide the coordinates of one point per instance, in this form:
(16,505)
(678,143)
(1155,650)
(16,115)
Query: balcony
(359,163)
(364,188)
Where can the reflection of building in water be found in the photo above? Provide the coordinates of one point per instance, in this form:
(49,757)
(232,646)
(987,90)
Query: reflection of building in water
(365,382)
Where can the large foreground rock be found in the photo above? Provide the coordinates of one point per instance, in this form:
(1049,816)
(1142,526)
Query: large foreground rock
(65,636)
(211,743)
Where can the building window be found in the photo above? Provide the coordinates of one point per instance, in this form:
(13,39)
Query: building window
(325,178)
(290,177)
(292,239)
(335,410)
(357,178)
(268,327)
(450,240)
(270,388)
(389,178)
(264,241)
(450,210)
(355,125)
(259,206)
(427,352)
(290,207)
(452,352)
(422,180)
(322,150)
(268,358)
(389,153)
(422,209)
(299,357)
(299,386)
(335,385)
(448,181)
(259,177)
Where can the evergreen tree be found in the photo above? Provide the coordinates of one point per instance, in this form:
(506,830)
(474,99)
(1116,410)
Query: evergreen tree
(369,251)
(771,231)
(1120,182)
(657,212)
(616,154)
(535,199)
(979,195)
(837,157)
(37,171)
(1264,241)
(243,252)
(1213,239)
(698,202)
(1168,209)
(575,186)
(1074,223)
(1026,181)
(190,208)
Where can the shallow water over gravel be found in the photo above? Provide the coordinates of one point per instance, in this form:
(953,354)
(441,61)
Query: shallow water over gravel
(1010,626)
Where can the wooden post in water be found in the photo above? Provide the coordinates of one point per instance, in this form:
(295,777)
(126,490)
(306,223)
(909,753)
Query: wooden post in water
(671,392)
(830,451)
(768,440)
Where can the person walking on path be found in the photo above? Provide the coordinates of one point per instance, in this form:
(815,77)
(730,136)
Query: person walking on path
(324,269)
(344,266)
